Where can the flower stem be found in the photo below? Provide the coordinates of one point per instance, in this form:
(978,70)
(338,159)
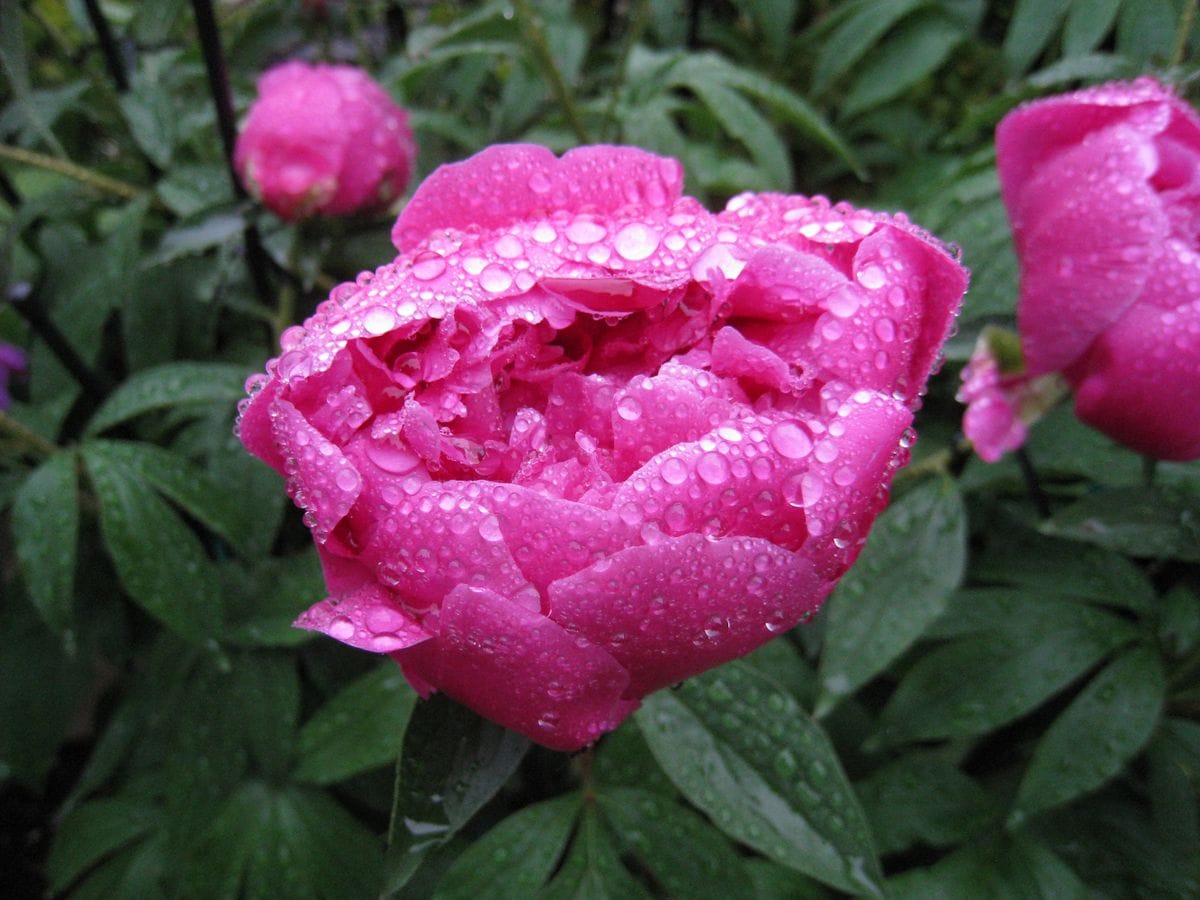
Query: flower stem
(1183,32)
(79,173)
(31,440)
(536,36)
(1033,483)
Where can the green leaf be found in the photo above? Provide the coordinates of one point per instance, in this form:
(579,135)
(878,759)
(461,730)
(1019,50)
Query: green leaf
(739,119)
(270,842)
(1146,30)
(855,37)
(1088,21)
(1032,26)
(684,853)
(1135,521)
(183,482)
(741,749)
(1018,556)
(515,857)
(1103,728)
(913,560)
(453,761)
(40,688)
(93,831)
(159,560)
(172,384)
(152,119)
(45,523)
(977,683)
(593,870)
(999,869)
(361,728)
(15,63)
(1179,621)
(266,694)
(785,103)
(189,189)
(623,759)
(918,48)
(923,798)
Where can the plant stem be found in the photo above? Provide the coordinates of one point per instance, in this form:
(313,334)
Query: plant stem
(633,33)
(24,436)
(83,175)
(108,46)
(1182,32)
(1033,483)
(1149,468)
(536,37)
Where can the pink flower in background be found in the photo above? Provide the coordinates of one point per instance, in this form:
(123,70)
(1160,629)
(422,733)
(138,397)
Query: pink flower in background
(1103,191)
(12,359)
(324,139)
(1002,399)
(584,439)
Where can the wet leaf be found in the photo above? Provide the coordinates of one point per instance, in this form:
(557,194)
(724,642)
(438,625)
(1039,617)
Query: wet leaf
(94,831)
(979,682)
(45,524)
(158,558)
(452,762)
(593,870)
(741,749)
(683,852)
(360,728)
(516,856)
(172,384)
(1103,728)
(1136,521)
(914,558)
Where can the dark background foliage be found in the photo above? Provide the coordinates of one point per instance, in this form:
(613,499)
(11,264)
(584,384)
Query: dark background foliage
(1001,698)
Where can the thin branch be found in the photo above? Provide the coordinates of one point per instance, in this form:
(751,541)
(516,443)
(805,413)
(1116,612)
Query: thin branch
(1183,31)
(26,437)
(82,174)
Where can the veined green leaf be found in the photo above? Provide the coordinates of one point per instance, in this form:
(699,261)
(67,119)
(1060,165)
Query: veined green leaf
(45,523)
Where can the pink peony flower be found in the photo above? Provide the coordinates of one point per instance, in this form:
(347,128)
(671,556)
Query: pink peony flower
(324,140)
(12,359)
(1103,190)
(1002,399)
(583,439)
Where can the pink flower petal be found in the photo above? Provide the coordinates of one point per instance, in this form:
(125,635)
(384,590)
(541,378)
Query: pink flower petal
(366,619)
(664,611)
(520,669)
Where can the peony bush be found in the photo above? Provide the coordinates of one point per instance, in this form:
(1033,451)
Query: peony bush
(584,439)
(596,495)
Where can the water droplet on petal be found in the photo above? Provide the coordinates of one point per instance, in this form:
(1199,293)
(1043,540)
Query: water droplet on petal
(428,265)
(379,320)
(790,440)
(674,471)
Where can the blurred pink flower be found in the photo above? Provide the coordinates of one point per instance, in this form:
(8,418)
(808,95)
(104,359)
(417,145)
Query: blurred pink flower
(12,359)
(1103,191)
(1002,399)
(583,439)
(323,139)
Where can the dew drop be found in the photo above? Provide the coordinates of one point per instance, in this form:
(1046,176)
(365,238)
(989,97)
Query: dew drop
(379,320)
(428,265)
(790,440)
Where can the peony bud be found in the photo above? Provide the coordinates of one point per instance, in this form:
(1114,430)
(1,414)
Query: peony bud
(324,140)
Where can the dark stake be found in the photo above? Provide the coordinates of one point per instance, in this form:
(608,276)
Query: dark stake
(1040,500)
(108,45)
(218,86)
(25,303)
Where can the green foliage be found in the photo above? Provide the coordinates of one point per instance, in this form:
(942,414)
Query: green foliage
(994,702)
